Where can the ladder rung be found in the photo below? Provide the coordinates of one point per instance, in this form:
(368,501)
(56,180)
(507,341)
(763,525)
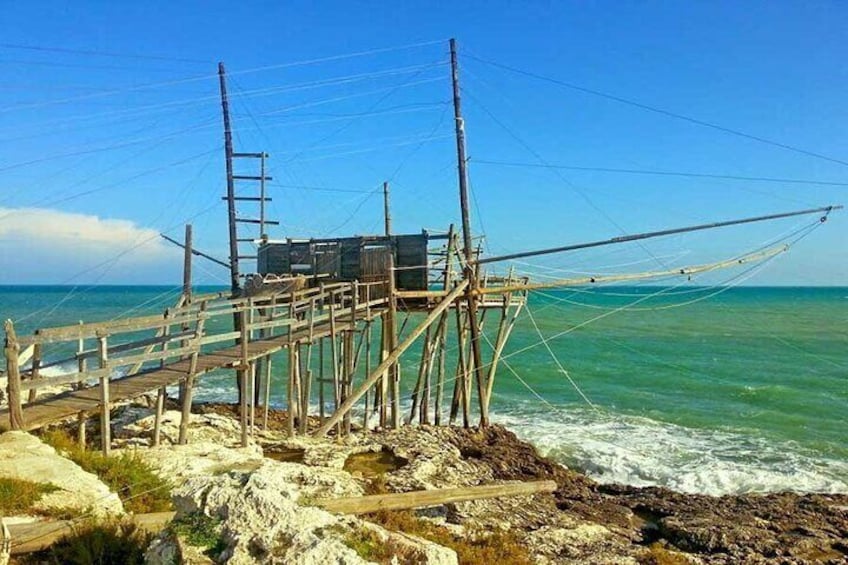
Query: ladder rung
(251,239)
(254,221)
(253,155)
(250,177)
(249,198)
(247,256)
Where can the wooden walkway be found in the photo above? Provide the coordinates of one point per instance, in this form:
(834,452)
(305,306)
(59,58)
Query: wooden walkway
(68,404)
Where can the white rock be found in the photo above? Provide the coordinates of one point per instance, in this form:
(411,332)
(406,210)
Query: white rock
(23,456)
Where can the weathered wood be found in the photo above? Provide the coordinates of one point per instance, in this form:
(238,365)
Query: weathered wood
(36,536)
(34,372)
(392,358)
(504,330)
(290,397)
(161,395)
(81,430)
(394,367)
(436,497)
(105,407)
(267,391)
(242,372)
(13,374)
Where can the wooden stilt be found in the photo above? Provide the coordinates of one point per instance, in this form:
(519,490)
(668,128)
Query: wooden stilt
(13,373)
(367,330)
(81,430)
(394,368)
(347,383)
(419,383)
(266,403)
(321,380)
(105,408)
(290,397)
(392,358)
(242,373)
(157,422)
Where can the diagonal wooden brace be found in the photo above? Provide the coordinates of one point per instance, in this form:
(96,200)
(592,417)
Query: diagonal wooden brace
(391,359)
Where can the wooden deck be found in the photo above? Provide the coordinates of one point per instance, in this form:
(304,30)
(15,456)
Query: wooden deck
(68,404)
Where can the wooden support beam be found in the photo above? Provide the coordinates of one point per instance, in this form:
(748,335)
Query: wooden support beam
(105,407)
(392,358)
(36,536)
(394,368)
(13,374)
(161,395)
(242,371)
(436,497)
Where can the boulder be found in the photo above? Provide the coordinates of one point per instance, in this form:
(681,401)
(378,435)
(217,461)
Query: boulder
(24,456)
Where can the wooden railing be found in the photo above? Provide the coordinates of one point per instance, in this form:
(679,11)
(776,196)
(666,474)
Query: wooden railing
(183,332)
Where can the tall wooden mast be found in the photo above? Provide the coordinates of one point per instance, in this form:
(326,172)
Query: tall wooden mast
(468,243)
(231,191)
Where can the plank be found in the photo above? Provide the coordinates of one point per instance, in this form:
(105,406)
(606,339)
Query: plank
(436,497)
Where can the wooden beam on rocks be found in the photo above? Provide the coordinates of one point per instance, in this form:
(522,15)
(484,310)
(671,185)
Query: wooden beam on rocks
(36,536)
(391,359)
(436,497)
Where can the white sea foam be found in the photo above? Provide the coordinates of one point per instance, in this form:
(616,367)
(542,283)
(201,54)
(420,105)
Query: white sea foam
(613,448)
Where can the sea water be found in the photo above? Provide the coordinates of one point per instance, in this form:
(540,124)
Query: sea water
(697,389)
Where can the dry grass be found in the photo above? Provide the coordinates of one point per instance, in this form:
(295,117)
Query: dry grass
(659,555)
(96,544)
(18,496)
(139,488)
(501,547)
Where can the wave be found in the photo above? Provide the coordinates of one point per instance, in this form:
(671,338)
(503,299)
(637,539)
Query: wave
(614,448)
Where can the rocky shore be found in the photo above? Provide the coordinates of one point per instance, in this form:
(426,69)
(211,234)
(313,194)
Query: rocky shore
(259,504)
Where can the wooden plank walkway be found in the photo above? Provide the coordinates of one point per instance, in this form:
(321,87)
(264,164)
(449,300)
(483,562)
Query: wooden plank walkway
(65,405)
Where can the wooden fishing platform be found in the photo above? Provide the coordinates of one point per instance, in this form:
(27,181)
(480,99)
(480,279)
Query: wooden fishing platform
(318,300)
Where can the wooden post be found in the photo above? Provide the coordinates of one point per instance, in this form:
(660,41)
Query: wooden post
(394,368)
(34,372)
(13,372)
(105,408)
(321,380)
(189,380)
(81,430)
(386,210)
(367,368)
(392,358)
(242,373)
(161,394)
(503,335)
(187,264)
(419,383)
(348,375)
(290,397)
(468,243)
(267,390)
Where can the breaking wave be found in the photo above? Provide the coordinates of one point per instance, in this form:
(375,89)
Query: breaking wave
(614,448)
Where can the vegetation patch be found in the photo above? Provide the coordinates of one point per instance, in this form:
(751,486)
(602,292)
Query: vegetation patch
(18,496)
(370,546)
(201,531)
(139,488)
(500,546)
(373,464)
(95,544)
(659,555)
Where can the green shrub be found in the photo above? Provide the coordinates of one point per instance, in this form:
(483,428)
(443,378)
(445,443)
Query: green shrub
(18,496)
(139,488)
(200,530)
(97,544)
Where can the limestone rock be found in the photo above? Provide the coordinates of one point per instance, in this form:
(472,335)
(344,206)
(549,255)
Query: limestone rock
(24,456)
(177,463)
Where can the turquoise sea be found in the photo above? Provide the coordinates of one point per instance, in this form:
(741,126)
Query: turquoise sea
(698,389)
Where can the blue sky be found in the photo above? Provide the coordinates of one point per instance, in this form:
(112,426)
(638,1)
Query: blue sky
(101,150)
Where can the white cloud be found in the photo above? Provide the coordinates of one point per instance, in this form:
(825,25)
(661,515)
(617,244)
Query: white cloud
(51,245)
